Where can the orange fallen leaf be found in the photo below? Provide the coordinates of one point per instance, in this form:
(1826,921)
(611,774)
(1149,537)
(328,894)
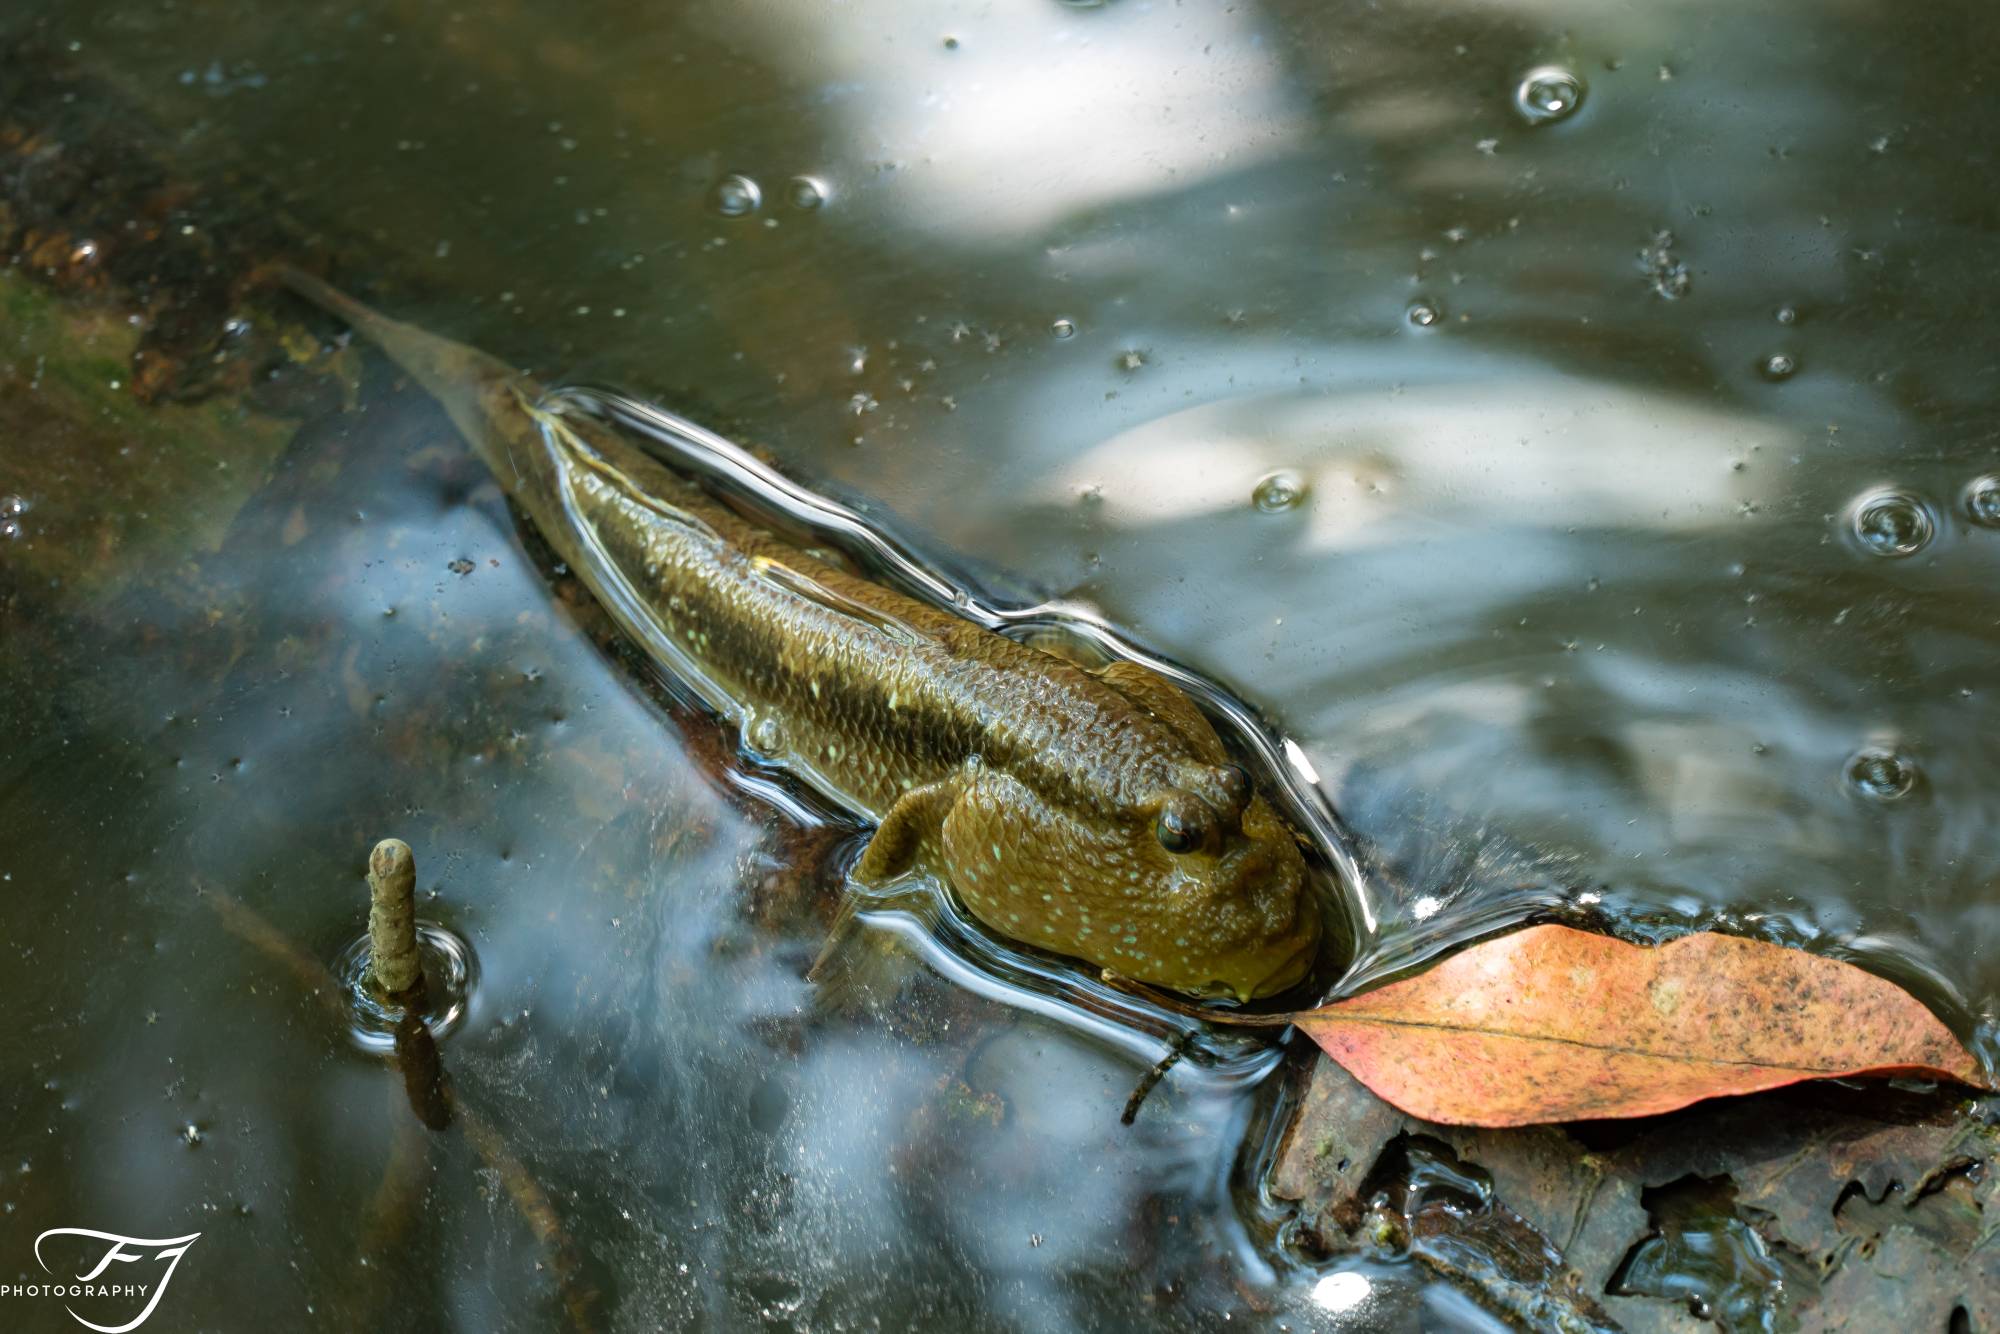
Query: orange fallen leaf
(1553,1024)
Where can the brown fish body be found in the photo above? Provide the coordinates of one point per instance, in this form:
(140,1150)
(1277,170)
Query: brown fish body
(1094,814)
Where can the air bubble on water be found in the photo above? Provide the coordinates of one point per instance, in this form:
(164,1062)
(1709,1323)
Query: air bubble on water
(735,197)
(1786,315)
(10,529)
(1423,314)
(767,736)
(1063,328)
(1279,491)
(1881,773)
(13,507)
(806,193)
(1982,501)
(1778,366)
(1548,94)
(1892,523)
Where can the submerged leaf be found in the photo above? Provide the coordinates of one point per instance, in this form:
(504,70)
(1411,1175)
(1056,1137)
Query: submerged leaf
(1553,1024)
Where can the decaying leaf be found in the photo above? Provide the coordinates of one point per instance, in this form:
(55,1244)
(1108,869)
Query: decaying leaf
(1553,1024)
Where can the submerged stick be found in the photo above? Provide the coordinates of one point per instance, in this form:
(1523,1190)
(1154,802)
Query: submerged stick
(1175,1050)
(392,921)
(537,1211)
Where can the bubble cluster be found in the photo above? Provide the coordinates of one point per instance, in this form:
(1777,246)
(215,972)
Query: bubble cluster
(1548,94)
(1881,773)
(1893,523)
(736,197)
(1279,491)
(1666,272)
(1982,501)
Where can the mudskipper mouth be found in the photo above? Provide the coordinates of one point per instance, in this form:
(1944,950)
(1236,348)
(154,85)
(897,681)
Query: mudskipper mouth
(1290,971)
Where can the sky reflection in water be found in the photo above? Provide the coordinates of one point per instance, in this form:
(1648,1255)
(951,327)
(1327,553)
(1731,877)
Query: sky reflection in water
(1571,608)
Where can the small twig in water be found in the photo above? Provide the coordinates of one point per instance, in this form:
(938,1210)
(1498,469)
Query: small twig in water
(579,1301)
(392,922)
(1175,1050)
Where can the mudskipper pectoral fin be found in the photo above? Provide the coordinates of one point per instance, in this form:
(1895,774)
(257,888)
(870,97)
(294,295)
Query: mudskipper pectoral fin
(1164,700)
(915,819)
(896,847)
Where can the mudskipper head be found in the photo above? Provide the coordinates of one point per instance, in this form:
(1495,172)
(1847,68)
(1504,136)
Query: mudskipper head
(1228,869)
(1199,888)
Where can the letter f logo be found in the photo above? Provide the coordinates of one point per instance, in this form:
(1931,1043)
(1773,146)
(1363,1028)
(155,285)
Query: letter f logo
(170,1249)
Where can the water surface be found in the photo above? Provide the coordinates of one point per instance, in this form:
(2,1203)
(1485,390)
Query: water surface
(1622,560)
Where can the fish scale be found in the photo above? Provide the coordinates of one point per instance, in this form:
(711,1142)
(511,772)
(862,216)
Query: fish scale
(1092,814)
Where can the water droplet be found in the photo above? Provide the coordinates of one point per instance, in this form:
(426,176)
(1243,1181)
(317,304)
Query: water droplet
(1982,501)
(1424,314)
(1881,773)
(1786,315)
(767,735)
(1893,523)
(1279,491)
(1063,328)
(1778,366)
(735,197)
(806,193)
(1548,94)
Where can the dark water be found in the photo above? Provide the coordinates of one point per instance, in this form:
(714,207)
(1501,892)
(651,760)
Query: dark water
(1597,419)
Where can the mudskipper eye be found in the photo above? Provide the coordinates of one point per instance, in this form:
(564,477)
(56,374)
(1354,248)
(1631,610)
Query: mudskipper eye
(1182,828)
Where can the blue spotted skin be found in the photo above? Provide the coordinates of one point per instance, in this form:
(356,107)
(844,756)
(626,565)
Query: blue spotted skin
(1038,790)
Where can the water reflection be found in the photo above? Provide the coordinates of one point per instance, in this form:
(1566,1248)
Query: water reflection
(1571,606)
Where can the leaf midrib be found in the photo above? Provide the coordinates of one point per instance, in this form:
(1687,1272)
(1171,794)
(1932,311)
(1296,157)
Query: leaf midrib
(1677,1057)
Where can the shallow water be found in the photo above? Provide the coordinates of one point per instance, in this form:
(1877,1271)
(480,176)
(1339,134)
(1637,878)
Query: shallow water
(1584,584)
